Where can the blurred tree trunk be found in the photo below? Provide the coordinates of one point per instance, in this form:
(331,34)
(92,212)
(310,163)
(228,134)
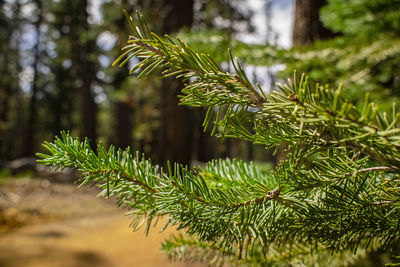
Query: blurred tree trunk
(5,85)
(5,82)
(124,113)
(88,105)
(30,132)
(14,147)
(206,144)
(307,26)
(60,102)
(124,110)
(176,132)
(87,70)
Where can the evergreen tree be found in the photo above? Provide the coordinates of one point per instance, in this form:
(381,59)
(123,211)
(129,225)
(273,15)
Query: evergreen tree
(336,192)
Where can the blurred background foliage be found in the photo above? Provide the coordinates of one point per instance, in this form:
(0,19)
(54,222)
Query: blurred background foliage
(56,74)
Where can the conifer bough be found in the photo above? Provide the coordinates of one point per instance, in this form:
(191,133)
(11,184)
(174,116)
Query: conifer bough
(336,191)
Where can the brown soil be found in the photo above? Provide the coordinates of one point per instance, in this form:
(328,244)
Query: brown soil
(47,224)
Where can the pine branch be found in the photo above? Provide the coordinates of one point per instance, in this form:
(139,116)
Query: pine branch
(233,214)
(295,112)
(182,194)
(201,73)
(110,172)
(337,188)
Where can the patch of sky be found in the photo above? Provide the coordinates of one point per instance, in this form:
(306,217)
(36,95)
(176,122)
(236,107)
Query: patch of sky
(28,37)
(99,94)
(106,40)
(51,49)
(104,61)
(26,79)
(281,21)
(67,63)
(94,10)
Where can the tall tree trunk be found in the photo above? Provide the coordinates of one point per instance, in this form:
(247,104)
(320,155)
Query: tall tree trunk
(61,104)
(89,107)
(307,26)
(124,129)
(176,124)
(14,147)
(86,72)
(206,144)
(124,110)
(5,82)
(30,133)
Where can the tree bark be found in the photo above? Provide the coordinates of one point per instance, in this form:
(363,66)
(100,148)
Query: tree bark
(176,125)
(307,26)
(4,45)
(89,107)
(5,82)
(124,110)
(86,73)
(206,144)
(124,113)
(176,131)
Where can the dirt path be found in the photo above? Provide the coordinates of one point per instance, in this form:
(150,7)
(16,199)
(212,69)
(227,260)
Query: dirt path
(79,230)
(98,241)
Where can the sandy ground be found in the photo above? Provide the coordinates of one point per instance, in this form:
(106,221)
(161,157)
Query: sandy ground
(45,224)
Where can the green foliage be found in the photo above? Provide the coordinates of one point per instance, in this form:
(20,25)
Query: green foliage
(362,18)
(362,66)
(212,42)
(5,172)
(365,57)
(337,191)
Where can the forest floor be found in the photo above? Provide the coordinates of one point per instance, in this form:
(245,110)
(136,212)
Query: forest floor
(45,224)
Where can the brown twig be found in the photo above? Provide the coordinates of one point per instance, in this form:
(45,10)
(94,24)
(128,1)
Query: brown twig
(255,97)
(269,196)
(372,169)
(146,46)
(378,203)
(125,177)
